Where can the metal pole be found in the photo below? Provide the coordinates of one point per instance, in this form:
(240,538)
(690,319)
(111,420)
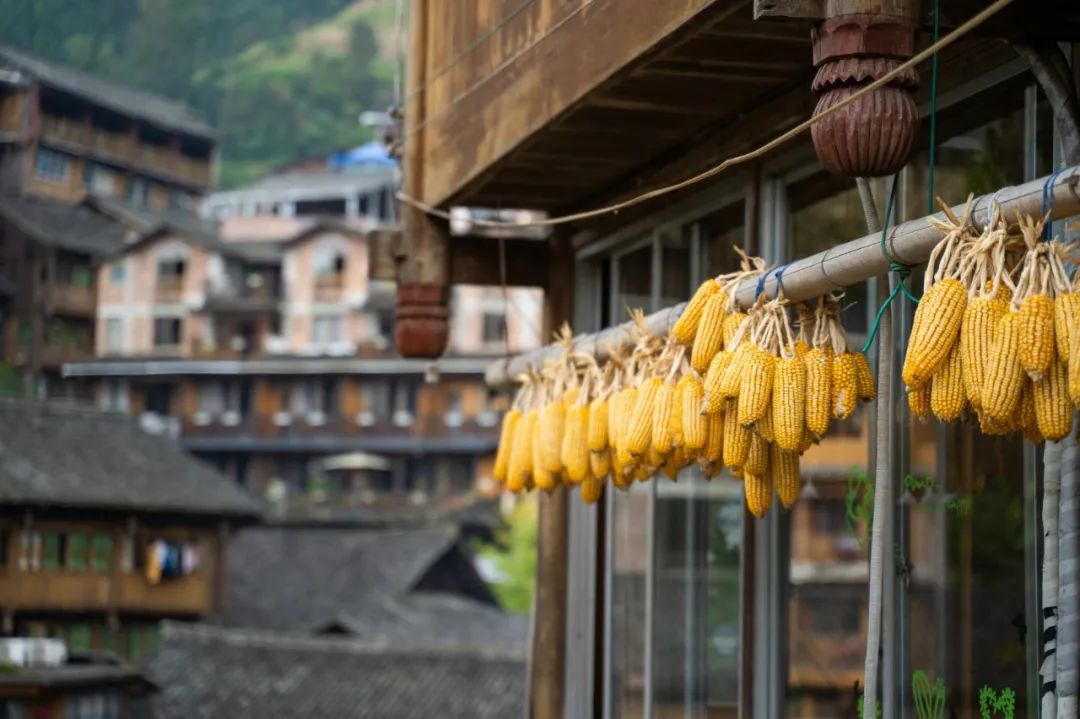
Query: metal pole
(837,267)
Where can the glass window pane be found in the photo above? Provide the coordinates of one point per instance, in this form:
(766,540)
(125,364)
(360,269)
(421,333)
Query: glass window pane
(629,558)
(674,267)
(635,283)
(721,231)
(78,550)
(52,551)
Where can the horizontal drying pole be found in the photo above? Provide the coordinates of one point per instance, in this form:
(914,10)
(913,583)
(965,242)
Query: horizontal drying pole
(834,269)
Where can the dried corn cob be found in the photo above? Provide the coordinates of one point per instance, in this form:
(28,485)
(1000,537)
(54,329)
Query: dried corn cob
(1037,330)
(918,399)
(736,438)
(1027,418)
(665,404)
(731,379)
(755,390)
(784,468)
(732,323)
(641,422)
(591,490)
(976,339)
(693,421)
(576,456)
(1004,379)
(552,422)
(506,441)
(714,400)
(864,378)
(935,330)
(713,451)
(808,440)
(600,463)
(789,403)
(765,426)
(542,477)
(597,435)
(710,336)
(674,464)
(845,386)
(1053,410)
(521,452)
(758,494)
(642,472)
(1067,323)
(757,459)
(819,390)
(947,396)
(686,327)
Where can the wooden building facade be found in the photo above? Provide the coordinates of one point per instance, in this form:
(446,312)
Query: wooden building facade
(670,599)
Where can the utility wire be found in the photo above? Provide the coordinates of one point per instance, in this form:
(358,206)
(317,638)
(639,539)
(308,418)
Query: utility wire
(962,30)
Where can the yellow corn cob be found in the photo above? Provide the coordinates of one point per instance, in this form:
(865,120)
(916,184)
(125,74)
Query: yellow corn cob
(755,390)
(641,420)
(1052,407)
(784,468)
(919,400)
(1037,329)
(801,348)
(596,438)
(736,438)
(711,470)
(615,409)
(675,418)
(521,453)
(626,412)
(619,471)
(1027,417)
(766,426)
(552,421)
(506,442)
(935,330)
(864,378)
(686,326)
(642,472)
(991,427)
(758,494)
(947,396)
(600,463)
(576,458)
(1074,374)
(731,379)
(710,336)
(757,459)
(736,472)
(653,459)
(976,339)
(693,421)
(1067,323)
(570,396)
(714,438)
(544,478)
(674,464)
(789,403)
(665,404)
(818,390)
(732,323)
(714,400)
(845,386)
(1004,379)
(808,440)
(591,489)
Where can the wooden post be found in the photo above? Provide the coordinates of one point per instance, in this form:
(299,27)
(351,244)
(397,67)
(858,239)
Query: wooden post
(548,661)
(422,321)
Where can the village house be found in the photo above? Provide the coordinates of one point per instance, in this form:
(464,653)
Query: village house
(670,599)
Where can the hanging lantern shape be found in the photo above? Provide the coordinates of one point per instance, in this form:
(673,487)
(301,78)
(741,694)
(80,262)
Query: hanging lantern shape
(874,135)
(422,320)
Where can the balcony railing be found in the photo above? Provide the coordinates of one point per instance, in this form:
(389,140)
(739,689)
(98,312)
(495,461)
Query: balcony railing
(66,590)
(169,288)
(65,130)
(56,355)
(72,299)
(328,288)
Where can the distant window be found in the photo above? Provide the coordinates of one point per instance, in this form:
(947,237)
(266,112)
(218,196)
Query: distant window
(179,201)
(453,417)
(172,268)
(830,517)
(834,615)
(137,191)
(52,165)
(167,331)
(114,335)
(79,638)
(328,329)
(101,180)
(101,551)
(52,550)
(116,273)
(494,327)
(78,556)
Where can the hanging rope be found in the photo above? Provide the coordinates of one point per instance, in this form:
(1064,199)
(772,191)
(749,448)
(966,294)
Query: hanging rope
(896,267)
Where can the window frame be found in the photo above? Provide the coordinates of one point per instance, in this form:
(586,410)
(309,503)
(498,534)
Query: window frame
(53,165)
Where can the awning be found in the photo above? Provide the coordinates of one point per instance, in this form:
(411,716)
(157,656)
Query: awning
(355,461)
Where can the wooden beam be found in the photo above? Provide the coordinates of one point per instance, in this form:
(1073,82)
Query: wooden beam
(473,260)
(802,9)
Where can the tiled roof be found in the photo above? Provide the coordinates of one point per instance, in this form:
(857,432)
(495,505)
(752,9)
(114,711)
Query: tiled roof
(303,579)
(209,672)
(56,455)
(70,227)
(168,114)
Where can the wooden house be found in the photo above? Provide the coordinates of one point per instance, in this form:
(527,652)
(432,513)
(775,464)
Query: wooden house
(670,600)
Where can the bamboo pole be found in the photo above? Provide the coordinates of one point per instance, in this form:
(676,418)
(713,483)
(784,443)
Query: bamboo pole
(838,267)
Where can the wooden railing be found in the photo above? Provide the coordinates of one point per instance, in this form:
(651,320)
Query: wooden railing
(72,299)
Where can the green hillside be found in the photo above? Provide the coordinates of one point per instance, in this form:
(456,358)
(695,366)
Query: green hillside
(281,79)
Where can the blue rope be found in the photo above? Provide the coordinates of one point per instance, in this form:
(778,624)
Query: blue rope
(902,271)
(780,280)
(1048,201)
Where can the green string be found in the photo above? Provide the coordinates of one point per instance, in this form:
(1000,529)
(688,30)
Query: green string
(933,111)
(902,271)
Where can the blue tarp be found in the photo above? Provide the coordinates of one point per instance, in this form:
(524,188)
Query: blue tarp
(370,153)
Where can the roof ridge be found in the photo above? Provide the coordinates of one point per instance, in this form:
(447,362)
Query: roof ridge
(278,639)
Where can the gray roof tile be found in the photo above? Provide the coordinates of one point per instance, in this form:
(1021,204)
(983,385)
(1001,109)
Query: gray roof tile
(69,227)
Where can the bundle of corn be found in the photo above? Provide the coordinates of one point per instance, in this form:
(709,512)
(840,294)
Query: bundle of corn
(996,334)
